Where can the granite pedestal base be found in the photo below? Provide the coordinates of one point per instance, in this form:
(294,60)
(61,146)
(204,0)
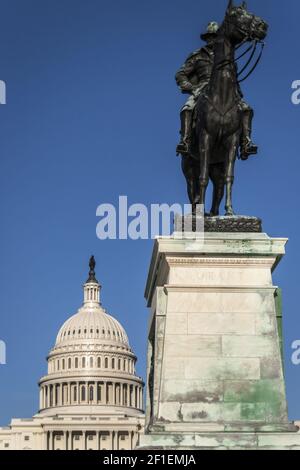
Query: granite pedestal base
(215,375)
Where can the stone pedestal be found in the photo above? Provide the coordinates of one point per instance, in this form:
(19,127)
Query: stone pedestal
(215,375)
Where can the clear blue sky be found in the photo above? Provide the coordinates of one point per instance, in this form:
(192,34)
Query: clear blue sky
(92,113)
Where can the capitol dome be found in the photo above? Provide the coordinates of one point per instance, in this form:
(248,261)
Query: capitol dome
(97,325)
(91,366)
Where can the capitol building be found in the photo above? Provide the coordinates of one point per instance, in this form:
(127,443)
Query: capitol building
(91,398)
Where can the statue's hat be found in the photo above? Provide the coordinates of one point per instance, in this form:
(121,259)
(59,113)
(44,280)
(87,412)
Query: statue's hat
(211,30)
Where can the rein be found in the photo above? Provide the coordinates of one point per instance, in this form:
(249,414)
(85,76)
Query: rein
(252,48)
(225,62)
(254,66)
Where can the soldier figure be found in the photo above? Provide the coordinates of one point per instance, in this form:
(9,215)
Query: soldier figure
(192,78)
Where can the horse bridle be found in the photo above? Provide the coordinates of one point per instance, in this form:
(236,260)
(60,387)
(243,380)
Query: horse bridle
(241,29)
(253,46)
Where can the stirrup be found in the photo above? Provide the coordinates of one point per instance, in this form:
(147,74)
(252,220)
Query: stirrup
(247,149)
(182,149)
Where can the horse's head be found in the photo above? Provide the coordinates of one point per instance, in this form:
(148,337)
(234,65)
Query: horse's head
(240,25)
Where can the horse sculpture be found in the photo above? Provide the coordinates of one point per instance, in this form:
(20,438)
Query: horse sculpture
(218,126)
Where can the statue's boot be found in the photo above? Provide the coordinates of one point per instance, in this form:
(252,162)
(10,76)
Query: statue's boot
(184,147)
(247,146)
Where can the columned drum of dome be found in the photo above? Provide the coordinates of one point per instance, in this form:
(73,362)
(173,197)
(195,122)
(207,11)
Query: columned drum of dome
(92,364)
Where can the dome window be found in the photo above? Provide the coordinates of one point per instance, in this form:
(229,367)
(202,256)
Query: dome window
(83,362)
(85,332)
(69,363)
(91,331)
(79,332)
(99,390)
(99,362)
(106,363)
(74,332)
(112,363)
(103,331)
(83,393)
(91,362)
(76,363)
(69,332)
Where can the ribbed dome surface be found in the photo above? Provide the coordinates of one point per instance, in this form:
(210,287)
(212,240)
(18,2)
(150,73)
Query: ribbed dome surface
(92,324)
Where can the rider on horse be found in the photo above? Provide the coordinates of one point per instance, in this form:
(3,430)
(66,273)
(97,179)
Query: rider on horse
(192,78)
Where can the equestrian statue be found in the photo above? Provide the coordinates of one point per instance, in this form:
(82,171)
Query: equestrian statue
(216,122)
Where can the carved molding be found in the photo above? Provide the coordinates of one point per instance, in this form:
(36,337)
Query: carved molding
(245,262)
(217,289)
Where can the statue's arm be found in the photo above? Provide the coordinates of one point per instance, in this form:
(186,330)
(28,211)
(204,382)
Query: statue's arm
(182,77)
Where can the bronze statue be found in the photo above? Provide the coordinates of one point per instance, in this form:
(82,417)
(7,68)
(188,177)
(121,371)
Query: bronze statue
(192,78)
(92,264)
(215,121)
(92,274)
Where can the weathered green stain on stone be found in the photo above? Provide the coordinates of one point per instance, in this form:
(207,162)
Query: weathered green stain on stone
(253,411)
(253,392)
(276,411)
(261,400)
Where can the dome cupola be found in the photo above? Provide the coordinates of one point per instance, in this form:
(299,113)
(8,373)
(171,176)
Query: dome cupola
(92,287)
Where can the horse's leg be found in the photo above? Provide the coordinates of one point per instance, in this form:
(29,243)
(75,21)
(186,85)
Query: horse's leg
(218,179)
(204,152)
(233,144)
(188,168)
